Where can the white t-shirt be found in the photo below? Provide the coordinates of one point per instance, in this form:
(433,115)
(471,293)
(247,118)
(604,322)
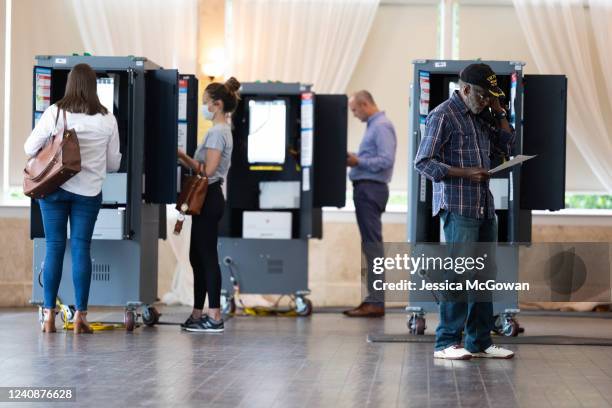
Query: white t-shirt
(99,142)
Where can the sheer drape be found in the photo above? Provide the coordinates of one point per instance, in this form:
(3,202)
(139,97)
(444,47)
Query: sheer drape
(308,41)
(566,37)
(181,289)
(165,31)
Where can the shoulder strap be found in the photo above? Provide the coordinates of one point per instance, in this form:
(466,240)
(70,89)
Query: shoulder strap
(65,124)
(57,116)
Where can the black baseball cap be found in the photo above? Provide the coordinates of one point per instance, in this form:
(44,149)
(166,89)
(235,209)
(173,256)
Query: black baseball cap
(482,75)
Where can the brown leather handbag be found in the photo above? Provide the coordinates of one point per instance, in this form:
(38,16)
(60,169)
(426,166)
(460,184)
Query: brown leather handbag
(191,199)
(56,162)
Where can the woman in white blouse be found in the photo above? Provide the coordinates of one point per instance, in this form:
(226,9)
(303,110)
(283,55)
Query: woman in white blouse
(80,198)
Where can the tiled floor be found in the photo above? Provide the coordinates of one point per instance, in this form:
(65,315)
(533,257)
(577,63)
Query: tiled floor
(322,361)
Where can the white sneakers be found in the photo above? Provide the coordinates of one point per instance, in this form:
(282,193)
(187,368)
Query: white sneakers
(456,352)
(494,352)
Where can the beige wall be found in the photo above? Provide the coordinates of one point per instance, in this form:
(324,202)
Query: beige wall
(404,32)
(38,28)
(211,36)
(15,262)
(494,33)
(334,261)
(334,269)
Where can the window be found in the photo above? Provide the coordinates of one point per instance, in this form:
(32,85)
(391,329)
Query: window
(588,201)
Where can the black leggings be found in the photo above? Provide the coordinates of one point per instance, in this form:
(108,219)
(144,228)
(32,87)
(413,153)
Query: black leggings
(203,254)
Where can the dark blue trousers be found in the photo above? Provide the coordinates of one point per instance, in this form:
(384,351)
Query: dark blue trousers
(370,199)
(476,318)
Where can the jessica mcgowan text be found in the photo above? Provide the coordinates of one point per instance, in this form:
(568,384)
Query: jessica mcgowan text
(406,285)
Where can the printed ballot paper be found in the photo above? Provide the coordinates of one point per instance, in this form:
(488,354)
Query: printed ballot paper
(510,163)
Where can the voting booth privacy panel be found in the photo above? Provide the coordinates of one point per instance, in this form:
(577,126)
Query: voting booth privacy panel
(537,111)
(289,161)
(156,111)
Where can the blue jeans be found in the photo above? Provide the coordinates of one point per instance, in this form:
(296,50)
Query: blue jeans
(475,317)
(82,211)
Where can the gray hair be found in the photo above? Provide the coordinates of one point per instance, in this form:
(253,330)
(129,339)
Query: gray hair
(463,84)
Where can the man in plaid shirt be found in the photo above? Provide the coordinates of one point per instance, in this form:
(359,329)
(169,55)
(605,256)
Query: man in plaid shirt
(455,155)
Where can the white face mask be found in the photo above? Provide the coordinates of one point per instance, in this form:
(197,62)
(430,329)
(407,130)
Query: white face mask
(208,115)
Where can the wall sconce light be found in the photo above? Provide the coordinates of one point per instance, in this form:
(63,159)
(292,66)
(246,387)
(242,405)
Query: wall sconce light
(215,64)
(212,70)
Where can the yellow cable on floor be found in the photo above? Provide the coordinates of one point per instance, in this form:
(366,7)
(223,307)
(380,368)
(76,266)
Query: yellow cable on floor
(96,326)
(261,310)
(264,311)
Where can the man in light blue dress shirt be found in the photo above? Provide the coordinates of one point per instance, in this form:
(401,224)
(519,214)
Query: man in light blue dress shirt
(371,171)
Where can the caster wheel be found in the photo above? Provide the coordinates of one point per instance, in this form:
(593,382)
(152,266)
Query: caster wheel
(67,313)
(72,311)
(416,325)
(228,305)
(129,319)
(510,328)
(157,315)
(420,326)
(303,306)
(150,316)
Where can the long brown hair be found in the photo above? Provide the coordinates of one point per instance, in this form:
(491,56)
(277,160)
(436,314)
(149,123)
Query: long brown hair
(81,94)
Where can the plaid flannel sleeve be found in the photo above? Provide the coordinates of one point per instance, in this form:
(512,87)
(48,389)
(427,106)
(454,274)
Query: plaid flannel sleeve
(505,141)
(428,158)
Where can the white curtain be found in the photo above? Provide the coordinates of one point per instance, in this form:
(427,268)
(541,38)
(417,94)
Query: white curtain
(308,41)
(164,31)
(181,290)
(601,19)
(566,37)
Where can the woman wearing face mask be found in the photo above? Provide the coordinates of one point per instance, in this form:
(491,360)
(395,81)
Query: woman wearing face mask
(219,102)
